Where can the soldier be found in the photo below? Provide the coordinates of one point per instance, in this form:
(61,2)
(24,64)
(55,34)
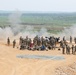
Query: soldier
(64,38)
(42,40)
(70,39)
(21,46)
(35,42)
(75,40)
(63,49)
(52,43)
(68,49)
(73,49)
(29,41)
(39,41)
(58,39)
(8,41)
(61,43)
(14,43)
(20,40)
(31,45)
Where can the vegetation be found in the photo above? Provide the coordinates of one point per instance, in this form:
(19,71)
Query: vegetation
(53,22)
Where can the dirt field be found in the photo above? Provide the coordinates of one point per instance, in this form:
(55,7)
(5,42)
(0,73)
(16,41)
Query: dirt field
(11,65)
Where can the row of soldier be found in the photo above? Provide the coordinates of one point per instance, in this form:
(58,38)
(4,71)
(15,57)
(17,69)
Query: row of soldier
(40,43)
(66,47)
(8,42)
(71,39)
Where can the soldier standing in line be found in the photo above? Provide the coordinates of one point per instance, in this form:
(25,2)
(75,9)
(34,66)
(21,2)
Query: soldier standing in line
(68,49)
(61,43)
(20,40)
(31,45)
(8,41)
(64,38)
(70,39)
(14,43)
(75,40)
(65,42)
(73,49)
(38,41)
(35,43)
(63,49)
(52,43)
(29,41)
(42,40)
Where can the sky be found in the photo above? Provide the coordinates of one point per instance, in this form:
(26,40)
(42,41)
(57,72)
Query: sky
(39,5)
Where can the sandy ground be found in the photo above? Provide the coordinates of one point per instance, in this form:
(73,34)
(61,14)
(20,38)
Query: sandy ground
(11,65)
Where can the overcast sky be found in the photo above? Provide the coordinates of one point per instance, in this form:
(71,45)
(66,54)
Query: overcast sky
(39,5)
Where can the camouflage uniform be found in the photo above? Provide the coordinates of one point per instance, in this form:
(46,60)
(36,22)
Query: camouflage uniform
(8,41)
(68,49)
(39,41)
(61,43)
(73,49)
(63,49)
(14,43)
(70,39)
(42,40)
(20,40)
(75,40)
(64,38)
(52,42)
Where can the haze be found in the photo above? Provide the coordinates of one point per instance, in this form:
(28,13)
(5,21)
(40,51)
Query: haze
(39,5)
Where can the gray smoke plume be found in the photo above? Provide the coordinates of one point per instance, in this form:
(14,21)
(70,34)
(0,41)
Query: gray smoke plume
(16,30)
(29,31)
(5,32)
(15,27)
(67,32)
(43,32)
(14,20)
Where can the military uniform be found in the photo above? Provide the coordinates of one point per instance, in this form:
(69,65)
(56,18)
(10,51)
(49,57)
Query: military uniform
(63,49)
(14,43)
(68,49)
(75,40)
(64,38)
(20,40)
(70,39)
(73,49)
(8,41)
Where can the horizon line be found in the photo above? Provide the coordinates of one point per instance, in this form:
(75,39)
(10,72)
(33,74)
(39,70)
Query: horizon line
(8,11)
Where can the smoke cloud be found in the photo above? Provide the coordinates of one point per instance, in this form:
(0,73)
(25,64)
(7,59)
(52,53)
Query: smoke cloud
(67,32)
(16,30)
(14,20)
(5,32)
